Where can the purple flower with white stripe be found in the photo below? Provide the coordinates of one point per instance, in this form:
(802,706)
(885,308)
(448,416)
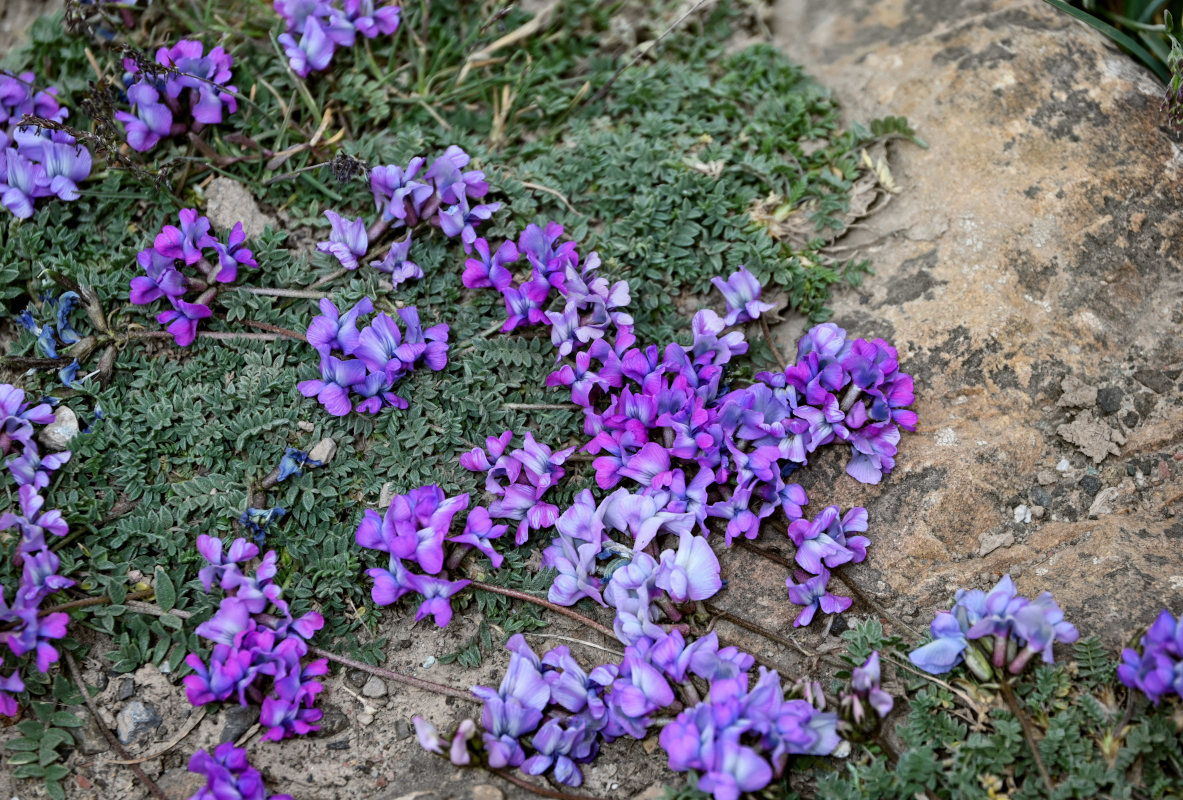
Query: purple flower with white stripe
(348,240)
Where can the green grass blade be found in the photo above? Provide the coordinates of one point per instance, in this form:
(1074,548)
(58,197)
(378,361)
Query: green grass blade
(1126,41)
(1151,9)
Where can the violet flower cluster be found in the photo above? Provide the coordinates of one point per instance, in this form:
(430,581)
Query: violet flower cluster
(229,776)
(550,715)
(865,693)
(823,544)
(29,632)
(518,479)
(1021,628)
(372,360)
(412,533)
(35,162)
(188,247)
(55,330)
(1157,669)
(256,657)
(189,90)
(405,198)
(316,28)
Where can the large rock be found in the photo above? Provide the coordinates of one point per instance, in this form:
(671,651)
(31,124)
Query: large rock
(1036,240)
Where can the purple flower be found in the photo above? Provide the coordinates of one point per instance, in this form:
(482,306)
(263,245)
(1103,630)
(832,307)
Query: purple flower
(555,743)
(210,548)
(205,76)
(396,263)
(864,688)
(31,469)
(163,279)
(332,389)
(32,524)
(734,768)
(692,573)
(187,241)
(313,52)
(742,293)
(1155,670)
(335,331)
(813,594)
(576,565)
(233,254)
(35,633)
(523,503)
(816,543)
(460,220)
(489,271)
(478,531)
(229,776)
(380,348)
(348,241)
(741,520)
(182,320)
(9,685)
(399,197)
(390,584)
(437,593)
(524,303)
(150,121)
(25,181)
(370,21)
(66,163)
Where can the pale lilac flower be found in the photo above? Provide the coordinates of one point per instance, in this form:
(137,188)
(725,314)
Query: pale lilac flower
(335,331)
(742,293)
(348,241)
(692,573)
(397,265)
(813,594)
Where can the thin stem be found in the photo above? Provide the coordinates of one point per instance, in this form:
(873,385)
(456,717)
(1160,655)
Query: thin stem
(1012,702)
(541,791)
(266,291)
(151,786)
(33,361)
(771,636)
(538,601)
(485,334)
(221,336)
(267,326)
(397,677)
(328,278)
(772,344)
(94,601)
(539,406)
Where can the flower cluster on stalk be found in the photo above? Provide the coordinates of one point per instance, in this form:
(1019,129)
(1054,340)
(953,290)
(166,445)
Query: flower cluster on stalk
(54,330)
(27,631)
(256,657)
(316,28)
(412,533)
(35,162)
(185,90)
(1019,628)
(188,247)
(229,776)
(1156,667)
(372,360)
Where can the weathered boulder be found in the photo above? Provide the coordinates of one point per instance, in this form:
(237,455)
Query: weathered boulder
(1033,253)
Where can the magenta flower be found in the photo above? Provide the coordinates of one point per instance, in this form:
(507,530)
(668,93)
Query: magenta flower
(151,120)
(437,594)
(485,271)
(232,255)
(461,220)
(162,279)
(479,530)
(332,389)
(524,303)
(9,685)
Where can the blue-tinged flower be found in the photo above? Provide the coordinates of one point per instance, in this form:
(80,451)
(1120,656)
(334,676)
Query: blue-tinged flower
(229,776)
(25,181)
(332,330)
(813,594)
(576,564)
(873,448)
(162,280)
(461,220)
(397,264)
(293,462)
(554,744)
(523,503)
(187,241)
(39,578)
(46,344)
(816,547)
(348,240)
(742,293)
(378,347)
(69,373)
(30,469)
(631,591)
(332,389)
(733,768)
(210,548)
(437,594)
(66,164)
(504,723)
(864,688)
(692,573)
(1038,625)
(32,524)
(258,520)
(233,254)
(1156,670)
(65,304)
(741,520)
(370,21)
(398,196)
(313,52)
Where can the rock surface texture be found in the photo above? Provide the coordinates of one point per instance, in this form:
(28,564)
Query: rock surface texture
(1030,276)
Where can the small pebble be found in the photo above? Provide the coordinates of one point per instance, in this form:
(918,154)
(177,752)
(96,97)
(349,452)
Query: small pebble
(323,451)
(357,677)
(1063,466)
(342,744)
(56,435)
(1110,399)
(429,663)
(365,718)
(386,496)
(1040,496)
(1045,477)
(374,688)
(483,791)
(1022,514)
(307,427)
(403,729)
(1038,511)
(1091,484)
(127,687)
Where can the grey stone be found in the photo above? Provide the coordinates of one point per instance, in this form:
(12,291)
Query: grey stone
(136,721)
(340,744)
(333,722)
(1091,484)
(374,688)
(1092,437)
(365,718)
(1037,512)
(1077,394)
(1104,501)
(990,542)
(1041,496)
(229,202)
(1110,399)
(386,496)
(323,451)
(357,678)
(1153,380)
(237,721)
(127,687)
(305,426)
(1045,477)
(56,435)
(403,729)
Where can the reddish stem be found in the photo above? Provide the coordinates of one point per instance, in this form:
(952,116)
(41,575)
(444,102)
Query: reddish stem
(397,677)
(276,329)
(538,601)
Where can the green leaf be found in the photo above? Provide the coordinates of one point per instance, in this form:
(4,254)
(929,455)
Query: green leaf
(29,771)
(166,593)
(25,757)
(54,787)
(64,719)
